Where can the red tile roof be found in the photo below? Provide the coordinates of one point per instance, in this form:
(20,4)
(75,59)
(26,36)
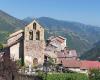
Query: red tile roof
(90,65)
(80,64)
(70,63)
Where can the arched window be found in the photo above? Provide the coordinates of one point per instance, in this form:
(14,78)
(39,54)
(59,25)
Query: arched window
(34,25)
(35,61)
(30,35)
(38,35)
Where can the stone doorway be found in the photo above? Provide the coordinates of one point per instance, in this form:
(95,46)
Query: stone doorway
(35,61)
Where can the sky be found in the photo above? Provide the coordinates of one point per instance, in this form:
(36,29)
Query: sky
(84,11)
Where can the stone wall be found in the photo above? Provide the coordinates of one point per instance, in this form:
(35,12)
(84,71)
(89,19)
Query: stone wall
(15,44)
(30,28)
(34,48)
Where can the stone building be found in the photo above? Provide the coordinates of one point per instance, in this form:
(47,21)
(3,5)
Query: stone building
(57,49)
(54,44)
(28,44)
(58,42)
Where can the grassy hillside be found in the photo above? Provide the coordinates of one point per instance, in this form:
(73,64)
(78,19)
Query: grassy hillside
(3,36)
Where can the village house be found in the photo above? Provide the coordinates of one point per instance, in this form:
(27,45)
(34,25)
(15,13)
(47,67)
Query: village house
(80,66)
(28,44)
(58,42)
(53,45)
(67,54)
(56,48)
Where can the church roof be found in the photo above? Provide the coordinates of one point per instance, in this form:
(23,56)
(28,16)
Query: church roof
(16,33)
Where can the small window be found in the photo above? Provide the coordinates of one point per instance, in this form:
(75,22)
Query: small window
(38,35)
(30,35)
(34,26)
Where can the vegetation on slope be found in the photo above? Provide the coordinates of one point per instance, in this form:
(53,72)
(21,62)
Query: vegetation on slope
(8,24)
(92,54)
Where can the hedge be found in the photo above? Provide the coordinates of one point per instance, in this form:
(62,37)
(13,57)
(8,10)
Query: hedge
(65,76)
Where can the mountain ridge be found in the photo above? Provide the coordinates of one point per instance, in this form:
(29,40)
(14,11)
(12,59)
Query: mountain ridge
(79,36)
(9,22)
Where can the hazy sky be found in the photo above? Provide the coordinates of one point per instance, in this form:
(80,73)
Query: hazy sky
(85,11)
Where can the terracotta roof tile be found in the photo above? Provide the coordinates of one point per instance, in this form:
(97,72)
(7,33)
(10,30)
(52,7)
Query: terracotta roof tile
(80,64)
(90,64)
(70,63)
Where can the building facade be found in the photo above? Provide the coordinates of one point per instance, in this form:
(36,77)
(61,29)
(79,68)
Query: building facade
(34,44)
(28,44)
(58,42)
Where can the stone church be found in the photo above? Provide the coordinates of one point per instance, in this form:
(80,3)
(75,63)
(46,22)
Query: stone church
(28,44)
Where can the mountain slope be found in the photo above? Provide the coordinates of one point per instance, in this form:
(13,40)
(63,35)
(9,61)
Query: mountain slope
(92,54)
(8,24)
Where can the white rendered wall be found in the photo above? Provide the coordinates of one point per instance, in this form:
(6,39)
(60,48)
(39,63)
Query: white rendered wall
(14,52)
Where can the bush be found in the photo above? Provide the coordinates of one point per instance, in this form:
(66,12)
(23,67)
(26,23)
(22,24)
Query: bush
(19,63)
(65,76)
(94,74)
